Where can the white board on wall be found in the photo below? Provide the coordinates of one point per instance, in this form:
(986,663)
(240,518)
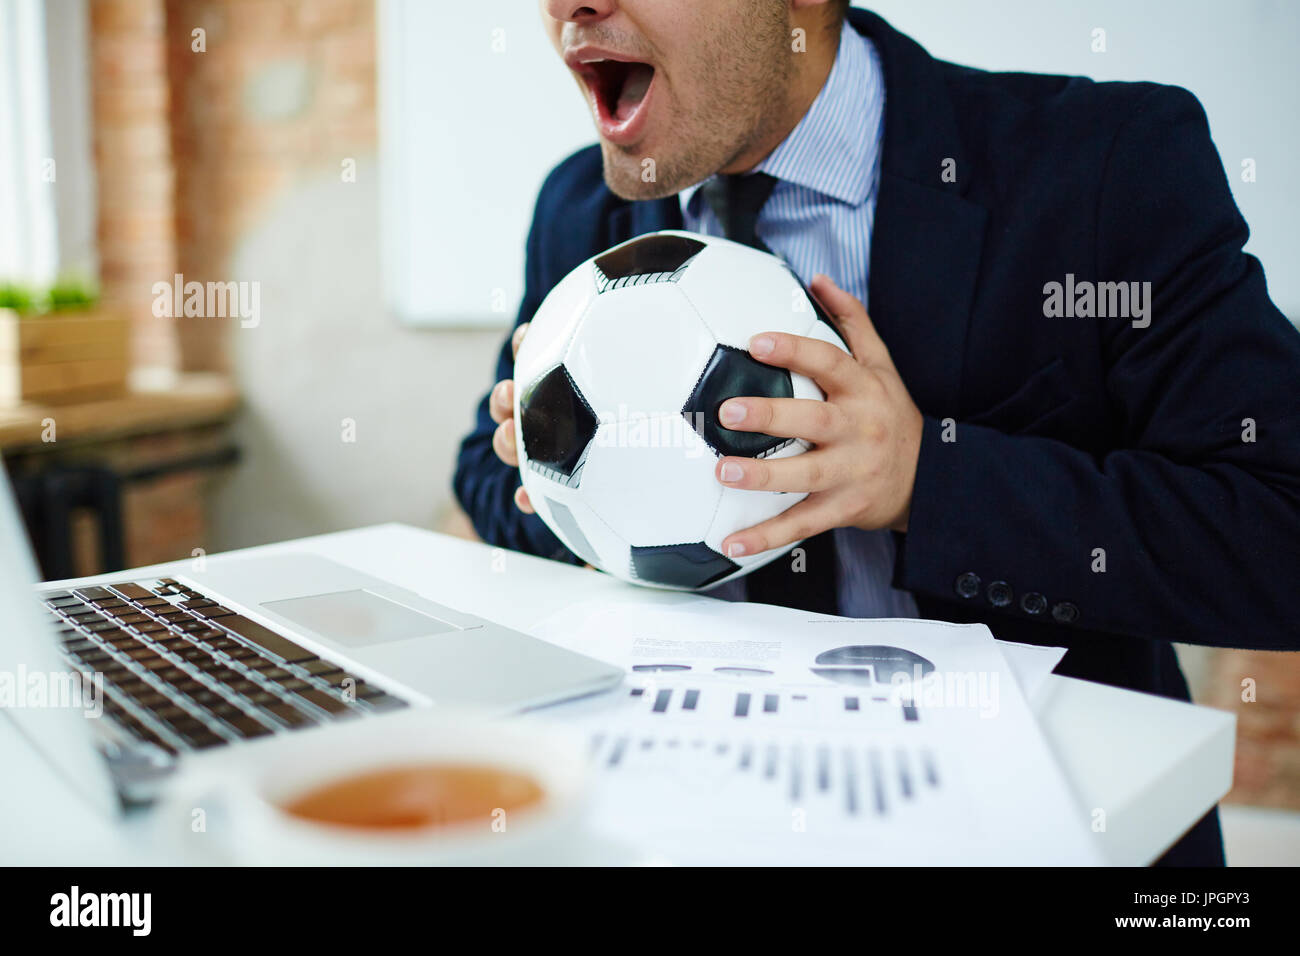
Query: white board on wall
(476,108)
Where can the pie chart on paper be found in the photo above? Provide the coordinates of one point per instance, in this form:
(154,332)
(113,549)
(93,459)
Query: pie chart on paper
(866,664)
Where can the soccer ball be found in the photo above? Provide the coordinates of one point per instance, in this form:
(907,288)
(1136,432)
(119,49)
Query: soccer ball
(617,389)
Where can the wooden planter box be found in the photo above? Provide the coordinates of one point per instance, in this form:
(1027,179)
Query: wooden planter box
(62,357)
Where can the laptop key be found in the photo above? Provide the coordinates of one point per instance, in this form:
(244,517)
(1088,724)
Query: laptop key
(291,715)
(246,726)
(318,667)
(203,739)
(132,592)
(265,638)
(326,702)
(93,594)
(211,613)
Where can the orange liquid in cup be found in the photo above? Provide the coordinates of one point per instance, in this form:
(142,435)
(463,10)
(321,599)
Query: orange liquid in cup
(418,797)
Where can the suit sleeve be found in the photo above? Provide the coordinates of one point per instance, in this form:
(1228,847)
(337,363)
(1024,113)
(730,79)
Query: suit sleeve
(483,483)
(1197,509)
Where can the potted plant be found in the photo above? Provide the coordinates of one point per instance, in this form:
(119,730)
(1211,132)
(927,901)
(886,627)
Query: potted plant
(59,345)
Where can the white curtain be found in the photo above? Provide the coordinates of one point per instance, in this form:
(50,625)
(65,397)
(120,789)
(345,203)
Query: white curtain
(28,177)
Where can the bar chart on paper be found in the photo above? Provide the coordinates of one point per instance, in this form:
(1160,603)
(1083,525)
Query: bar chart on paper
(856,770)
(863,780)
(755,734)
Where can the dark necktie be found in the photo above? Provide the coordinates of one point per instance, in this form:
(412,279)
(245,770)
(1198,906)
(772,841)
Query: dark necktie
(736,201)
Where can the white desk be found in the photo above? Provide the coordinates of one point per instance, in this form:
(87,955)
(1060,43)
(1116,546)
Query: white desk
(1154,766)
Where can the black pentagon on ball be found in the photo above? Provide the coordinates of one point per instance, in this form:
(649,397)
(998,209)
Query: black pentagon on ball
(822,314)
(681,565)
(653,255)
(556,422)
(732,372)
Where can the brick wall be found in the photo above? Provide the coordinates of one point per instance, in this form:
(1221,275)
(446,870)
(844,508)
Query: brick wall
(283,88)
(190,144)
(1268,726)
(133,167)
(194,137)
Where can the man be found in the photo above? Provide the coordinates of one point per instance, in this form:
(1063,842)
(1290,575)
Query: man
(1073,412)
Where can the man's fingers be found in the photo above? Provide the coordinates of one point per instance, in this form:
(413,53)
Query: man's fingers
(811,516)
(811,471)
(516,338)
(522,501)
(501,403)
(830,367)
(503,443)
(810,419)
(851,317)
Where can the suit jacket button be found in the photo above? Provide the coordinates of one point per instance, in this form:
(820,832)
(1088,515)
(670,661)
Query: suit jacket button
(1000,593)
(1065,613)
(968,584)
(1033,603)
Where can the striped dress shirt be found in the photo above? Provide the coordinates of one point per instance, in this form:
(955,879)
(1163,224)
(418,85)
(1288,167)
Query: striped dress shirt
(819,219)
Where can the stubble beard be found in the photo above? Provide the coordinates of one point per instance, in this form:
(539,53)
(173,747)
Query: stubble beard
(745,73)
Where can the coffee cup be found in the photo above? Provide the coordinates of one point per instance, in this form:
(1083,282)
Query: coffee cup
(405,789)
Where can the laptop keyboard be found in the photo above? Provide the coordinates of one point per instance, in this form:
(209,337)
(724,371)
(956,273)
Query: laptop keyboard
(182,672)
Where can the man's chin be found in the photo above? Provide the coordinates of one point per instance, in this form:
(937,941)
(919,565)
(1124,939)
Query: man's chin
(635,177)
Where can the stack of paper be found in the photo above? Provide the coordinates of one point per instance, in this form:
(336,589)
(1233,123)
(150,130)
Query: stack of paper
(754,734)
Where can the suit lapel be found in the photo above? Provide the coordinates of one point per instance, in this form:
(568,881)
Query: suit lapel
(927,237)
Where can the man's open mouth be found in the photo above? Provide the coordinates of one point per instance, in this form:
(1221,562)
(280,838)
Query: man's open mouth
(620,89)
(619,86)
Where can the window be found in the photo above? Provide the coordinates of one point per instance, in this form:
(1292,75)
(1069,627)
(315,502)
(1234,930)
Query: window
(28,233)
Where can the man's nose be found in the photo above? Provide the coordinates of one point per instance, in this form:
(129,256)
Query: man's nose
(580,11)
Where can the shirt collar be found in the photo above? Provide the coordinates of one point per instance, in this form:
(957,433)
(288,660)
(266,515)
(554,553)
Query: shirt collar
(835,148)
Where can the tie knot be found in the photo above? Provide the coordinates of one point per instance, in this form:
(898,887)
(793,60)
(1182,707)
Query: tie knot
(736,201)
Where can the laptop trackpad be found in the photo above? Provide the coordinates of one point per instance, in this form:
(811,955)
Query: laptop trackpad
(358,618)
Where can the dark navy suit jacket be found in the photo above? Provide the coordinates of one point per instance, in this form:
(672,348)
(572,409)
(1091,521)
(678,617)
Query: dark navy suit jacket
(1068,434)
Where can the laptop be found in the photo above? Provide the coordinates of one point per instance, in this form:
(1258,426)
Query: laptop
(178,666)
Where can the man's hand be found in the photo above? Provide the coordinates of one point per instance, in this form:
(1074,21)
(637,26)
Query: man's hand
(867,433)
(501,406)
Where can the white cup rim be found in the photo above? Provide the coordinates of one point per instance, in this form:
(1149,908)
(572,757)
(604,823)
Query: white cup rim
(253,793)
